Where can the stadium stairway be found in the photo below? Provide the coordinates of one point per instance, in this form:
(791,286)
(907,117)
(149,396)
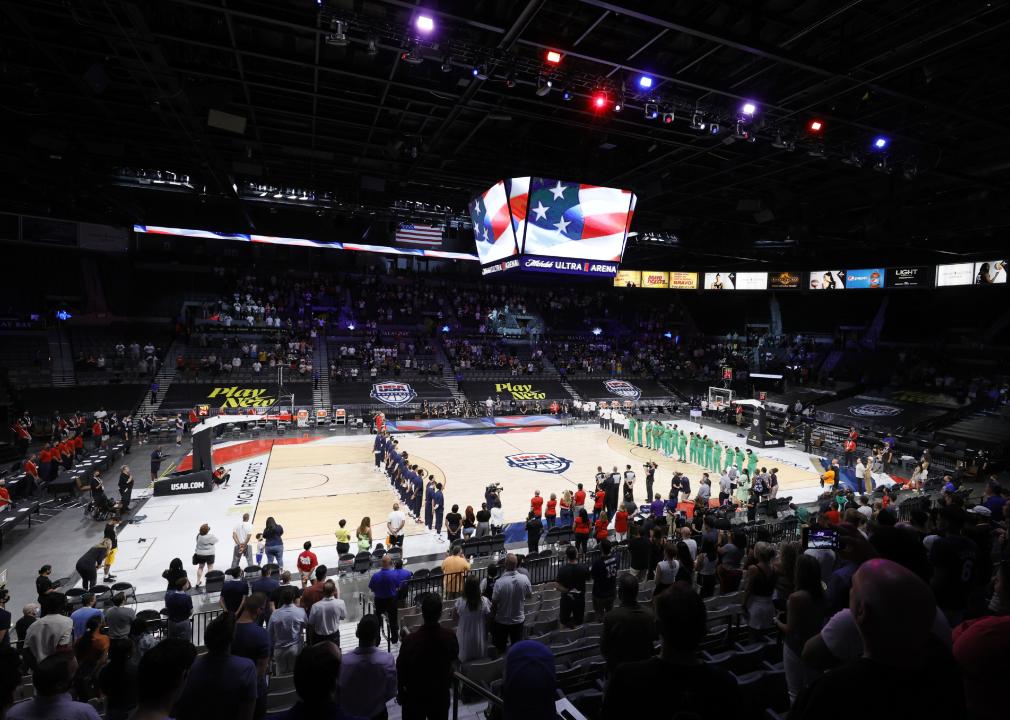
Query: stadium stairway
(448,374)
(164,378)
(321,387)
(61,358)
(570,390)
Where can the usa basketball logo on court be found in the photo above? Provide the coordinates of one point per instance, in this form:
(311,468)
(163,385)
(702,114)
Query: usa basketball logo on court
(539,462)
(622,388)
(874,410)
(393,393)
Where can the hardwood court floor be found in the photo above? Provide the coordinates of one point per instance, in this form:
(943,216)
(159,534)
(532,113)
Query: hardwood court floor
(308,488)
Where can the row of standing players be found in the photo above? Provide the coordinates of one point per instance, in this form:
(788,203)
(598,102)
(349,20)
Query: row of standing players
(418,490)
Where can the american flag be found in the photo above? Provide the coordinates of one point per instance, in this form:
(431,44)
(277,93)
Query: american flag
(570,220)
(413,234)
(493,228)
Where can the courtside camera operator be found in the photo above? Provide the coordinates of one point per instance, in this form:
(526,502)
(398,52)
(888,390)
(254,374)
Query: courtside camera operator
(492,494)
(221,477)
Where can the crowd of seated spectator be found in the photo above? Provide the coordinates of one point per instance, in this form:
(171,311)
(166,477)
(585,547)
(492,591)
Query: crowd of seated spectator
(222,355)
(486,355)
(389,356)
(122,358)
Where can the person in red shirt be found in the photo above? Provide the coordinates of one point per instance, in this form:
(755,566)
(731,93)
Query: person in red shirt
(602,525)
(599,500)
(850,452)
(67,451)
(96,433)
(193,419)
(78,445)
(552,511)
(5,497)
(307,563)
(582,526)
(537,504)
(579,498)
(621,524)
(833,516)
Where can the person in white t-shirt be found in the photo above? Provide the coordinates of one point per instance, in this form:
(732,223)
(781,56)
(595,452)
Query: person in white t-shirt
(241,534)
(394,524)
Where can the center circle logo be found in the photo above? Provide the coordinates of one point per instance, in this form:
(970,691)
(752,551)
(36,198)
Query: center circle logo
(874,410)
(539,462)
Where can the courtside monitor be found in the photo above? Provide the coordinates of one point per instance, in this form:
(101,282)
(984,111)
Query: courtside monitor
(555,226)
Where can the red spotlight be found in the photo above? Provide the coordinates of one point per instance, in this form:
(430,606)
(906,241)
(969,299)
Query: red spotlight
(553,57)
(599,100)
(815,125)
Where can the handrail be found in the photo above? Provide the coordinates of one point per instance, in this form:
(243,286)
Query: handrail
(461,680)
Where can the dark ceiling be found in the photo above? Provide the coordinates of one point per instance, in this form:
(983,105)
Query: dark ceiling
(90,85)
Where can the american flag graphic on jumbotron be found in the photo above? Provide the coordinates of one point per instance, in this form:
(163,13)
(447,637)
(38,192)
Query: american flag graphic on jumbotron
(493,226)
(571,220)
(426,235)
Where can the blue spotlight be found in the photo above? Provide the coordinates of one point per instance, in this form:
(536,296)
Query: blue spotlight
(880,142)
(645,82)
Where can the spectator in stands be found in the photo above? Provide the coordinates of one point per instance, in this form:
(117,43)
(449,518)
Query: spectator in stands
(91,651)
(29,614)
(571,581)
(529,682)
(425,665)
(454,569)
(367,674)
(179,607)
(679,681)
(325,616)
(385,587)
(85,612)
(251,641)
(471,611)
(219,684)
(534,528)
(705,567)
(604,574)
(510,593)
(203,554)
(953,556)
(53,631)
(894,611)
(314,592)
(806,610)
(117,681)
(163,674)
(757,599)
(156,457)
(241,534)
(629,630)
(53,679)
(125,488)
(317,676)
(174,573)
(273,534)
(118,618)
(285,629)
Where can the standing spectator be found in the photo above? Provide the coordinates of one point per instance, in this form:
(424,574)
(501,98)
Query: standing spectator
(571,581)
(154,392)
(285,630)
(367,674)
(534,528)
(53,679)
(364,535)
(85,612)
(251,641)
(454,525)
(174,573)
(639,551)
(953,556)
(395,524)
(325,616)
(314,592)
(509,596)
(307,562)
(53,631)
(272,535)
(425,665)
(29,614)
(705,566)
(156,457)
(179,607)
(483,518)
(117,681)
(233,591)
(537,504)
(343,536)
(119,619)
(125,488)
(240,535)
(454,569)
(694,688)
(317,675)
(472,612)
(203,554)
(219,684)
(805,614)
(604,574)
(162,675)
(529,682)
(385,586)
(629,631)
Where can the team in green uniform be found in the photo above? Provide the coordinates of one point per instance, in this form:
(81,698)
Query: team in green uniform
(681,446)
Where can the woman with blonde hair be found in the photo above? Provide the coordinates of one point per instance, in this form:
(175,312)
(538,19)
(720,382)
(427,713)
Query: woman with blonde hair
(566,508)
(758,607)
(203,555)
(364,535)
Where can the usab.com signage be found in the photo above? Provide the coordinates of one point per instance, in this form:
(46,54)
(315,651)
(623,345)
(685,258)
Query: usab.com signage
(622,388)
(570,267)
(539,462)
(520,392)
(242,397)
(874,410)
(393,393)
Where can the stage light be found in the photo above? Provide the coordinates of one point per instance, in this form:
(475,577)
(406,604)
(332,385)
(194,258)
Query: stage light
(338,36)
(543,86)
(713,128)
(668,118)
(445,328)
(619,105)
(480,71)
(668,335)
(63,315)
(599,99)
(566,95)
(447,63)
(553,57)
(881,165)
(425,23)
(645,82)
(748,109)
(651,111)
(697,121)
(597,331)
(372,48)
(350,326)
(815,126)
(853,159)
(781,143)
(880,142)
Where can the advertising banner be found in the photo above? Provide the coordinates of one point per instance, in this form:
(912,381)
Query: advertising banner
(990,272)
(954,274)
(655,279)
(917,276)
(234,396)
(736,281)
(868,279)
(567,266)
(826,280)
(719,281)
(518,389)
(783,280)
(628,278)
(684,280)
(394,393)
